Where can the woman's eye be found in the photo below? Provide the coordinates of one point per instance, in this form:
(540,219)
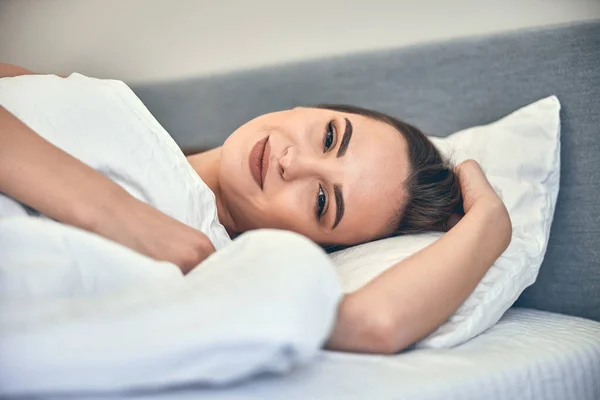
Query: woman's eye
(329,136)
(321,201)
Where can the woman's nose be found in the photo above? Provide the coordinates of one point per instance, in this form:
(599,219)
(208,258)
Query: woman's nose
(295,165)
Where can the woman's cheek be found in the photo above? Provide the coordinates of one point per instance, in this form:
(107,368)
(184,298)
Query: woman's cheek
(288,212)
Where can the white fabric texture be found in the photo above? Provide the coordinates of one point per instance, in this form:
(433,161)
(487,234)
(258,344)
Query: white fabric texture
(527,355)
(43,260)
(520,155)
(265,303)
(103,124)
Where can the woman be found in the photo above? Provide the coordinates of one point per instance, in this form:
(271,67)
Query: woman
(339,175)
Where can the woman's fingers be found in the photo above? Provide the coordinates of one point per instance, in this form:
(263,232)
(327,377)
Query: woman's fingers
(474,185)
(195,252)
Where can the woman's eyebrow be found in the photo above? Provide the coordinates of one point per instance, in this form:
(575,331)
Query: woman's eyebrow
(339,204)
(337,188)
(345,139)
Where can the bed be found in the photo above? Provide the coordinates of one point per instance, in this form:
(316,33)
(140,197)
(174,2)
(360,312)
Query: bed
(529,354)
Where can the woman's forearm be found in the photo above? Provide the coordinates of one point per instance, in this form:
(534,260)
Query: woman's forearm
(39,174)
(413,298)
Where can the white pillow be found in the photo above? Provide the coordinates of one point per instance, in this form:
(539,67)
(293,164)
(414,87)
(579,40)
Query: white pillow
(520,155)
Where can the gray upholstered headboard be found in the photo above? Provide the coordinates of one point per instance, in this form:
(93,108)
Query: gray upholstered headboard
(442,87)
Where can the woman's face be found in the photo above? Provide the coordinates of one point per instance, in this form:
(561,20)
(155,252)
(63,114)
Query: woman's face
(334,177)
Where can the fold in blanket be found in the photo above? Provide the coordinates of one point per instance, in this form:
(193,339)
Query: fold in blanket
(101,317)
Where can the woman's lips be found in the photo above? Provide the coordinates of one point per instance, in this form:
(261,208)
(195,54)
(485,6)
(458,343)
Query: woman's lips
(265,163)
(259,161)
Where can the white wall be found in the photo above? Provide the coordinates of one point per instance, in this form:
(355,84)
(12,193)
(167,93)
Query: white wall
(145,40)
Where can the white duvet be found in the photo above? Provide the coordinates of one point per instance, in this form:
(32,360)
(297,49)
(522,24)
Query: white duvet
(265,303)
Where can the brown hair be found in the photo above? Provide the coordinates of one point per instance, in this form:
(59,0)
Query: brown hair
(432,188)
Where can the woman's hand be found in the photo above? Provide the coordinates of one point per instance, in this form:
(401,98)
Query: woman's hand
(474,186)
(146,230)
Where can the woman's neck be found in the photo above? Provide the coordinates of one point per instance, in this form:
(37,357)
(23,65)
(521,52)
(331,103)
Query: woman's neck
(206,165)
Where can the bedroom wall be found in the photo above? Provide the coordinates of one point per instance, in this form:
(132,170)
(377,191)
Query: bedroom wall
(149,40)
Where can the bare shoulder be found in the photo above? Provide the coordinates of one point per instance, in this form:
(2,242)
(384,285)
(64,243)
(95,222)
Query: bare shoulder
(9,71)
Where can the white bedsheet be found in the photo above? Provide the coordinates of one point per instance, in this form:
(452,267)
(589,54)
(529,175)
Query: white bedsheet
(528,355)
